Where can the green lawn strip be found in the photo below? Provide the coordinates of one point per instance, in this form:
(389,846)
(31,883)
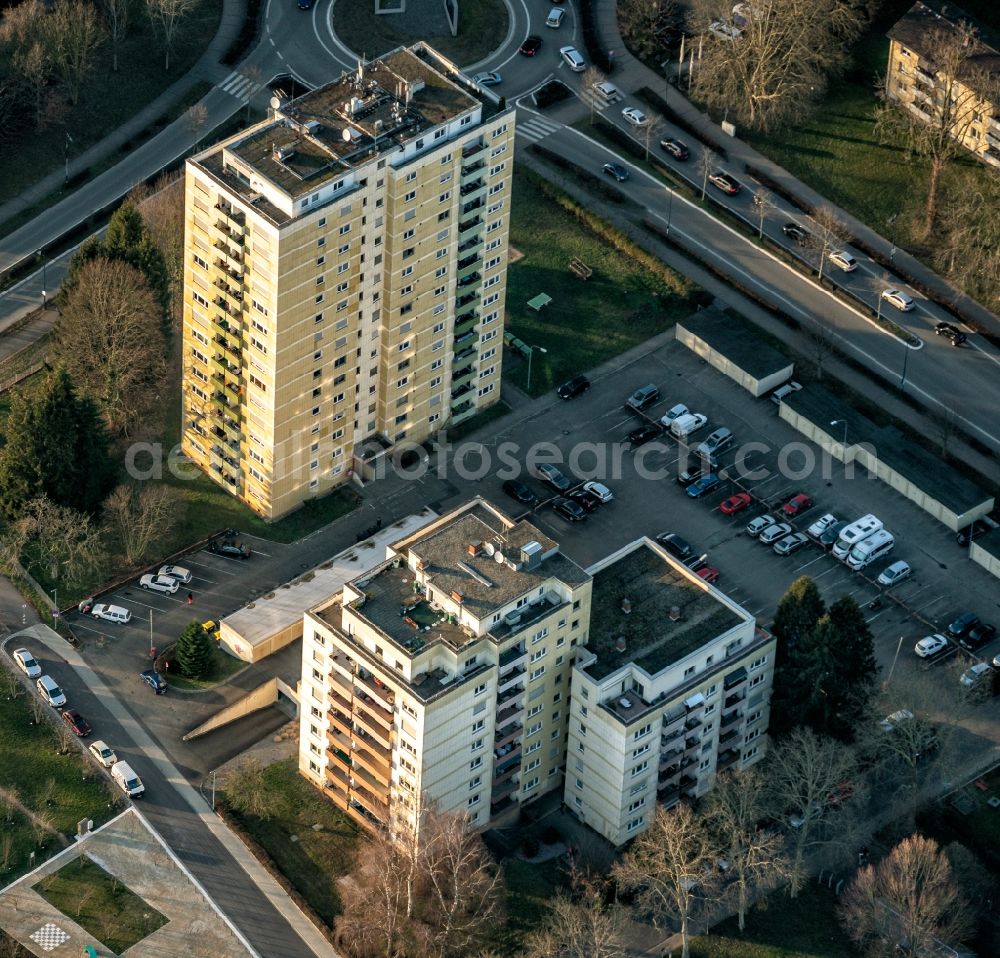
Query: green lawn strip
(803,927)
(62,789)
(529,889)
(108,99)
(100,904)
(468,426)
(313,863)
(224,666)
(629,297)
(481,26)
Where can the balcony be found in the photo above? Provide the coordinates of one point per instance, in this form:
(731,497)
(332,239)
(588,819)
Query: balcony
(473,150)
(728,736)
(729,719)
(507,735)
(370,706)
(466,339)
(734,699)
(376,809)
(471,169)
(469,260)
(466,324)
(507,765)
(342,725)
(465,353)
(509,711)
(461,409)
(734,679)
(376,687)
(463,300)
(470,190)
(461,391)
(727,758)
(470,280)
(511,656)
(471,207)
(466,226)
(373,766)
(462,375)
(993,138)
(470,244)
(503,791)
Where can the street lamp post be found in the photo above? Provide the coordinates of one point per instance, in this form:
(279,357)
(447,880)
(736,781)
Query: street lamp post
(531,352)
(841,422)
(670,207)
(906,356)
(45,285)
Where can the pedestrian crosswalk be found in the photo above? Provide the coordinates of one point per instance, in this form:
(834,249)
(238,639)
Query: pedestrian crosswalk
(593,101)
(537,128)
(241,87)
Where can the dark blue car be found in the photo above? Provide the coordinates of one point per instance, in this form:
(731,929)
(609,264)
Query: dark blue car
(154,680)
(705,484)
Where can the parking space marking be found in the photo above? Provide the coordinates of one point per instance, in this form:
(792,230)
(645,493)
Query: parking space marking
(933,601)
(618,425)
(805,565)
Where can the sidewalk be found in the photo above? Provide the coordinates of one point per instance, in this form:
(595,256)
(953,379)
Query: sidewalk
(632,74)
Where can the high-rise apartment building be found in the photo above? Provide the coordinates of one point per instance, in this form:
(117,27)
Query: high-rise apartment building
(344,278)
(479,667)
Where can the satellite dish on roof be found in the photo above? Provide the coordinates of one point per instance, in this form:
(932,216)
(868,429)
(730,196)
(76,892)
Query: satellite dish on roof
(489,548)
(498,557)
(275,103)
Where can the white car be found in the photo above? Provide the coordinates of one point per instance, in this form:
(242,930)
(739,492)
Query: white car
(894,573)
(607,91)
(756,526)
(821,525)
(844,260)
(555,18)
(675,413)
(724,31)
(103,753)
(26,663)
(111,613)
(976,674)
(773,533)
(931,645)
(635,116)
(897,718)
(899,299)
(177,572)
(598,490)
(572,59)
(159,583)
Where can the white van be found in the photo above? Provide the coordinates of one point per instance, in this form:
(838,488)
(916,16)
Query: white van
(50,692)
(871,549)
(853,534)
(684,426)
(127,780)
(555,18)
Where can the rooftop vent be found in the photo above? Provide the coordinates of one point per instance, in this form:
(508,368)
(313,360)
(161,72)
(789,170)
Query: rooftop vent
(620,643)
(474,548)
(457,596)
(512,618)
(284,153)
(531,554)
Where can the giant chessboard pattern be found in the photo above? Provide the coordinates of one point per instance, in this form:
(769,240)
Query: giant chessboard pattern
(49,937)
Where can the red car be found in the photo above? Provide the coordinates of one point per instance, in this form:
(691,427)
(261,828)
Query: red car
(796,504)
(734,504)
(77,723)
(708,573)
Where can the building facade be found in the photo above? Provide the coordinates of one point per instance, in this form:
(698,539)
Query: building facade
(480,668)
(344,278)
(945,70)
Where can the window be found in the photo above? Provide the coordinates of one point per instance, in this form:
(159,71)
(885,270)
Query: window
(640,768)
(537,673)
(478,726)
(411,176)
(645,730)
(530,784)
(473,800)
(412,195)
(754,682)
(540,653)
(637,804)
(477,745)
(444,197)
(758,663)
(534,729)
(476,762)
(475,782)
(636,752)
(636,823)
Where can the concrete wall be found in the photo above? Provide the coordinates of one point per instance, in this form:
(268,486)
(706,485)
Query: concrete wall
(260,698)
(234,643)
(989,561)
(756,387)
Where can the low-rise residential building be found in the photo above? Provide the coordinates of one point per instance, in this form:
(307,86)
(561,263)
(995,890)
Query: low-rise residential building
(459,668)
(944,67)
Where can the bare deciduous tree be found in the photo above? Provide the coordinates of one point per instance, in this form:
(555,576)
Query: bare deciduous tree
(196,117)
(67,542)
(75,34)
(821,344)
(828,234)
(108,337)
(671,866)
(116,19)
(591,77)
(162,209)
(137,514)
(64,739)
(969,231)
(948,96)
(756,856)
(807,774)
(780,63)
(648,25)
(168,15)
(707,161)
(580,925)
(906,902)
(763,203)
(247,792)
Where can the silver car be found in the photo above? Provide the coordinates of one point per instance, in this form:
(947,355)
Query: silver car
(895,573)
(775,532)
(789,544)
(756,526)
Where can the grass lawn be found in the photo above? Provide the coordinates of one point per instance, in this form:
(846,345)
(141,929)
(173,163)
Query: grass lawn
(626,300)
(529,888)
(806,927)
(100,904)
(42,794)
(482,24)
(468,426)
(109,99)
(224,666)
(314,862)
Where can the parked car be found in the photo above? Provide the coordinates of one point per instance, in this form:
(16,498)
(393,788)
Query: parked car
(980,673)
(931,645)
(899,299)
(701,486)
(952,333)
(675,412)
(607,91)
(773,533)
(677,547)
(520,492)
(78,725)
(783,392)
(530,47)
(103,753)
(715,442)
(154,680)
(616,170)
(590,503)
(797,504)
(675,148)
(821,525)
(643,398)
(725,182)
(962,624)
(684,426)
(897,718)
(789,544)
(828,539)
(490,78)
(26,663)
(798,234)
(641,435)
(894,574)
(978,636)
(734,504)
(111,613)
(756,526)
(50,691)
(177,572)
(577,386)
(978,528)
(159,583)
(230,548)
(599,490)
(635,117)
(551,476)
(708,573)
(689,475)
(569,509)
(844,260)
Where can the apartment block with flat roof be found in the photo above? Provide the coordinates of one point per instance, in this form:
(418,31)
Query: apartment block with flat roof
(344,279)
(944,68)
(444,673)
(672,688)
